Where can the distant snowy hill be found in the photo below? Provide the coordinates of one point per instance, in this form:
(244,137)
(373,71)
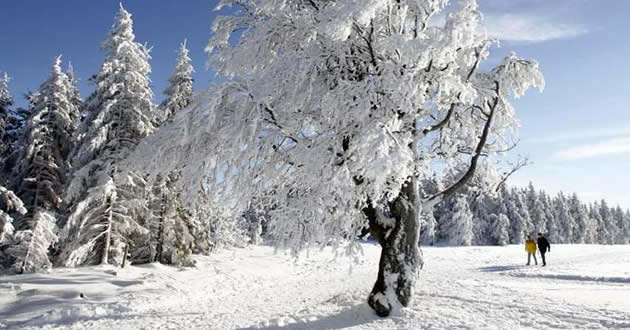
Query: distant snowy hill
(583,287)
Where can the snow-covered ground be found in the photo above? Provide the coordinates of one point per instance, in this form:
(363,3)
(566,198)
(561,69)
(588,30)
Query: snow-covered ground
(583,286)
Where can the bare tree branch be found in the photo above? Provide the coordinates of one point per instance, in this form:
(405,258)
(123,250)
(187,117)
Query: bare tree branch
(475,158)
(520,163)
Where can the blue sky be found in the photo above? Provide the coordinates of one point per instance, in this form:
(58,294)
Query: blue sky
(577,132)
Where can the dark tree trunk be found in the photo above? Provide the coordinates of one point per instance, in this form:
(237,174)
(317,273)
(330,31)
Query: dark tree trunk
(160,243)
(400,259)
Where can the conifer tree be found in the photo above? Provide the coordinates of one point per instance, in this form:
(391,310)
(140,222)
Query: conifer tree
(456,224)
(564,220)
(621,236)
(536,210)
(73,90)
(518,225)
(179,92)
(601,231)
(120,113)
(43,169)
(174,231)
(9,203)
(429,227)
(521,215)
(6,101)
(579,215)
(608,226)
(499,228)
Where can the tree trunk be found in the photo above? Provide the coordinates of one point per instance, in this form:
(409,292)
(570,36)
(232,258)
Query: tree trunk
(108,233)
(160,243)
(400,259)
(124,261)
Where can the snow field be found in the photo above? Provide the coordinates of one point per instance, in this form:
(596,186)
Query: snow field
(583,287)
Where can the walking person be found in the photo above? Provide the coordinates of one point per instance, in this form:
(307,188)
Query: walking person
(530,247)
(543,247)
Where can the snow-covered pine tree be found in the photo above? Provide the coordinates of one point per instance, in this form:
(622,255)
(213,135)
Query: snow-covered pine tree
(31,252)
(621,235)
(180,91)
(564,220)
(11,128)
(428,231)
(579,214)
(172,228)
(6,101)
(73,89)
(591,234)
(601,232)
(608,226)
(536,210)
(456,225)
(518,227)
(9,203)
(499,229)
(43,170)
(553,230)
(560,213)
(522,225)
(106,225)
(482,206)
(119,114)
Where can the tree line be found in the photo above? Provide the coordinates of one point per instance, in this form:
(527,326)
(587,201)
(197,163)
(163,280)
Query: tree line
(508,215)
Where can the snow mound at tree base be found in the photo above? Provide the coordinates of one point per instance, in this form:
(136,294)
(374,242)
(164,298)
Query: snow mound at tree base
(255,288)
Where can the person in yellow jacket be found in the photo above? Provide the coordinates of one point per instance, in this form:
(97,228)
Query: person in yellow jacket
(530,247)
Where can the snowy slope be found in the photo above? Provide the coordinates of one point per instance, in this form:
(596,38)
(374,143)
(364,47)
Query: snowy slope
(584,286)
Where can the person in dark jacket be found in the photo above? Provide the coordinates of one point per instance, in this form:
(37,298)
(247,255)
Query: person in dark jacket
(543,247)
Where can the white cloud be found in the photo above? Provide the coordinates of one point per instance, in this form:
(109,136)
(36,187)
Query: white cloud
(583,134)
(530,28)
(608,147)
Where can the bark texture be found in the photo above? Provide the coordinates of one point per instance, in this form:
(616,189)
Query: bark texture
(400,259)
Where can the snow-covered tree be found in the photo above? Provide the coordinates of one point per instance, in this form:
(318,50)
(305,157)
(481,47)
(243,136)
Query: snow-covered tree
(43,167)
(43,170)
(119,114)
(31,252)
(6,101)
(621,235)
(73,89)
(553,231)
(499,229)
(180,91)
(564,220)
(105,222)
(456,225)
(339,107)
(9,203)
(607,224)
(482,207)
(520,221)
(536,210)
(579,214)
(601,231)
(518,225)
(428,226)
(172,228)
